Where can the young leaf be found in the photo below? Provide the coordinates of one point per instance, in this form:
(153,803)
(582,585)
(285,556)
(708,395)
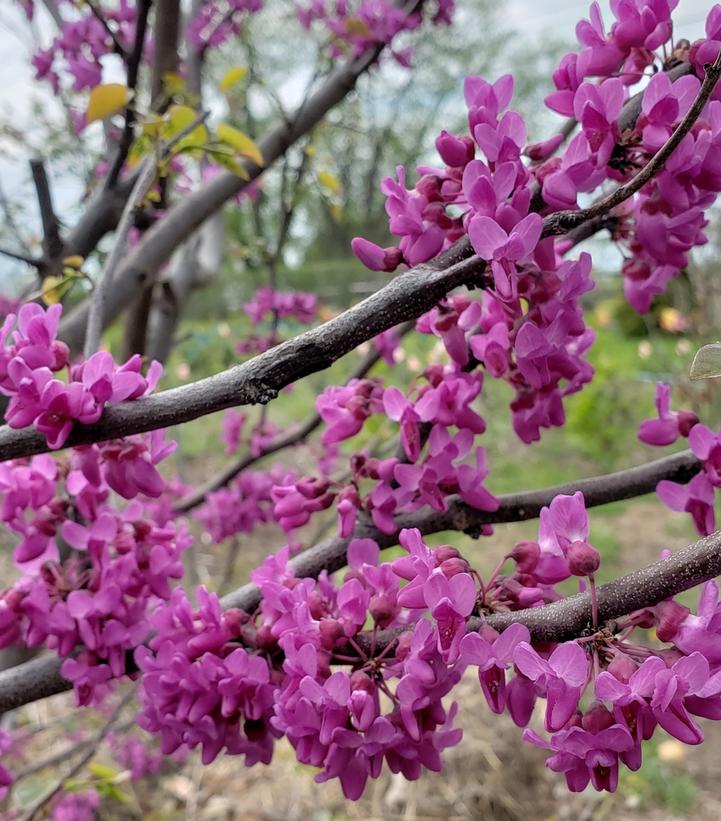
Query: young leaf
(329,181)
(106,100)
(707,362)
(54,289)
(232,77)
(180,117)
(242,143)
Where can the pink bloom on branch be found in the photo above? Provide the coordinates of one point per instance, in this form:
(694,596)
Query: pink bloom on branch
(374,257)
(563,676)
(584,756)
(504,250)
(670,424)
(493,657)
(696,498)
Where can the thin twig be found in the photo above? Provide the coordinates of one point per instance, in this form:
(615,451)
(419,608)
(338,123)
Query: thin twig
(118,46)
(285,440)
(133,67)
(142,185)
(36,263)
(33,812)
(563,221)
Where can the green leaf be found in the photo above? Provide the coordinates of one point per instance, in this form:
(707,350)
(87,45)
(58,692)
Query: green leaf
(241,142)
(329,181)
(103,771)
(180,117)
(232,77)
(106,100)
(707,362)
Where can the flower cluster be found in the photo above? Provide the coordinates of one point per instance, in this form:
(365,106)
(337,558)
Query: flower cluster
(83,42)
(355,27)
(300,305)
(29,358)
(217,679)
(218,21)
(696,497)
(246,503)
(490,199)
(239,680)
(92,585)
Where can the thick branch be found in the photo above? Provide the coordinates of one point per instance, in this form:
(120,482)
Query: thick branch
(259,380)
(166,33)
(189,213)
(52,244)
(285,440)
(40,678)
(570,618)
(133,63)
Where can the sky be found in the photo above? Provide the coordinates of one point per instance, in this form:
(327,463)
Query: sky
(531,19)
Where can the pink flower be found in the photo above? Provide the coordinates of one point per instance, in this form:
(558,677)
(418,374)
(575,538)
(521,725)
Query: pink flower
(563,676)
(493,657)
(503,251)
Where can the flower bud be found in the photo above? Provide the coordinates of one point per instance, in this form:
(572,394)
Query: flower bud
(583,559)
(622,667)
(264,638)
(454,151)
(376,258)
(670,615)
(526,555)
(234,619)
(686,420)
(330,631)
(451,567)
(383,609)
(597,718)
(443,552)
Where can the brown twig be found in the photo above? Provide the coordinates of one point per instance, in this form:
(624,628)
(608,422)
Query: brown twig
(285,440)
(34,811)
(133,68)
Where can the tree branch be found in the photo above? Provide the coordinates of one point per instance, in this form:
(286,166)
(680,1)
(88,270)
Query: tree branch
(133,65)
(285,440)
(189,213)
(40,678)
(259,379)
(515,507)
(571,617)
(118,47)
(563,221)
(35,263)
(52,244)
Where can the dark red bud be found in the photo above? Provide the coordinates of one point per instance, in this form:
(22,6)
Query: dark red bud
(670,615)
(597,718)
(583,559)
(526,555)
(686,420)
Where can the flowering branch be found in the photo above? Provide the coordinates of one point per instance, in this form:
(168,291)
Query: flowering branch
(563,221)
(571,617)
(286,440)
(161,239)
(261,378)
(40,677)
(133,64)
